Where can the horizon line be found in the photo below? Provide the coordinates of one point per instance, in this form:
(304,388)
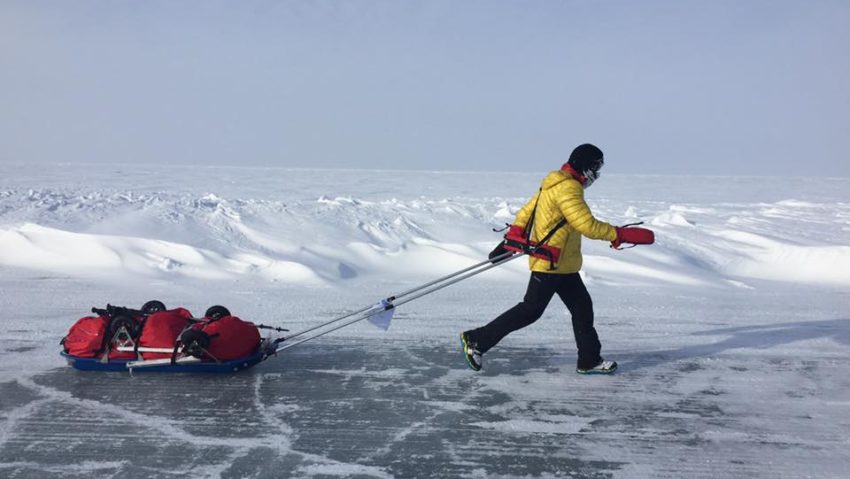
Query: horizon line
(395,170)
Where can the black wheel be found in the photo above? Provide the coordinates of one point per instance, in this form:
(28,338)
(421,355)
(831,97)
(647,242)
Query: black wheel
(123,328)
(216,312)
(195,342)
(152,307)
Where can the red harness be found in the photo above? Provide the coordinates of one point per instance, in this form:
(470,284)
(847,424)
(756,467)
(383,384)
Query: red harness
(517,240)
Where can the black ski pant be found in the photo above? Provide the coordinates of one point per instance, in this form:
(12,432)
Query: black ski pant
(541,287)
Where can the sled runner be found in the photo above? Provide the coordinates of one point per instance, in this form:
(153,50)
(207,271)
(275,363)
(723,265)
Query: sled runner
(181,365)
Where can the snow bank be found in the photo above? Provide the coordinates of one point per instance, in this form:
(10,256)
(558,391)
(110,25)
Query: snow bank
(354,224)
(755,256)
(38,247)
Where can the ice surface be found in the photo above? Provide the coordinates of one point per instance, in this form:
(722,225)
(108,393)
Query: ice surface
(732,332)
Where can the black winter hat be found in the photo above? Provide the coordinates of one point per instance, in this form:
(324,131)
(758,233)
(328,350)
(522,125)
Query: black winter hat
(585,157)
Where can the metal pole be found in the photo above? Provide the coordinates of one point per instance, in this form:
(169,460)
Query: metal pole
(496,262)
(310,338)
(456,273)
(320,326)
(459,279)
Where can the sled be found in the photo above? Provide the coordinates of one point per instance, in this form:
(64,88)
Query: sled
(120,339)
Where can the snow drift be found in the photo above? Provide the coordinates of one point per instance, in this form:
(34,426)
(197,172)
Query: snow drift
(350,228)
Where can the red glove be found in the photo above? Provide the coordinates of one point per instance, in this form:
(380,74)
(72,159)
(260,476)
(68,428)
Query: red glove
(515,239)
(633,235)
(515,231)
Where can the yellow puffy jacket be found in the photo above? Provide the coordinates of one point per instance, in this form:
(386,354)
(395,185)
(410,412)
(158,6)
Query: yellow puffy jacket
(562,196)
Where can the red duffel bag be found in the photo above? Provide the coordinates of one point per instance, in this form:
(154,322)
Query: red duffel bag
(224,339)
(85,338)
(161,330)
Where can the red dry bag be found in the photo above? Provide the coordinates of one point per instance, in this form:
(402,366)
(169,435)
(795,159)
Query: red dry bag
(162,329)
(231,338)
(85,338)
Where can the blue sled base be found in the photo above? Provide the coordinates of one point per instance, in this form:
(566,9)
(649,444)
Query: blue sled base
(95,364)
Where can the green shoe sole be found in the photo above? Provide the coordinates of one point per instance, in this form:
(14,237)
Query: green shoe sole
(597,372)
(469,362)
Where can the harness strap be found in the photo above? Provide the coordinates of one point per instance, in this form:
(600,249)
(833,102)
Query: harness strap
(554,230)
(529,229)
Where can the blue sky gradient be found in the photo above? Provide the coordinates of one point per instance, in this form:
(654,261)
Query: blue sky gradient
(682,87)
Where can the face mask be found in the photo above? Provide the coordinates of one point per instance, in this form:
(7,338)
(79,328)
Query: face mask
(592,174)
(589,177)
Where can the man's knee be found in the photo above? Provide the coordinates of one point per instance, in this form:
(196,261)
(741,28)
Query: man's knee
(532,311)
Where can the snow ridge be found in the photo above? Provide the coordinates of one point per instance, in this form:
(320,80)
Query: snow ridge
(155,230)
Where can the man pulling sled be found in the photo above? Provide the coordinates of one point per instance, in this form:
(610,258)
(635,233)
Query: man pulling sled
(549,229)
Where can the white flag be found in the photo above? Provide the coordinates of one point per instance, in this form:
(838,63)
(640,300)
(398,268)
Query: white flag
(382,314)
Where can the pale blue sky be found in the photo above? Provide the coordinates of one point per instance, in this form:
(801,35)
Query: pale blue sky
(695,87)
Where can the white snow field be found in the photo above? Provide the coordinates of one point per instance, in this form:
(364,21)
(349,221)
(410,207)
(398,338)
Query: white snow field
(732,331)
